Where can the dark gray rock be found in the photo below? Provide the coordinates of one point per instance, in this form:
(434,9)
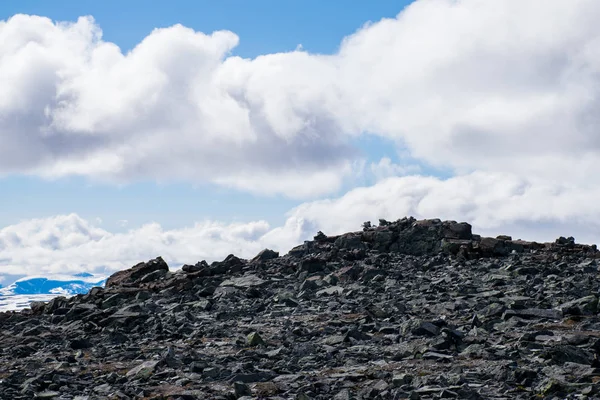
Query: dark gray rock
(406,309)
(131,276)
(265,255)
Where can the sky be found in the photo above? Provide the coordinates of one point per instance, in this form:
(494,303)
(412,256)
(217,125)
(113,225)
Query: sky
(196,129)
(263,26)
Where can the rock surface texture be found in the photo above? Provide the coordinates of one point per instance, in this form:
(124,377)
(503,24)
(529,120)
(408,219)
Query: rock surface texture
(404,310)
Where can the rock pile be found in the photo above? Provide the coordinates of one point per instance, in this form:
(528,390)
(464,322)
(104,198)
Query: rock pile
(405,310)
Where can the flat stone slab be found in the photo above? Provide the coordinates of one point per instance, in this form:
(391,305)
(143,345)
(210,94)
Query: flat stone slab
(245,281)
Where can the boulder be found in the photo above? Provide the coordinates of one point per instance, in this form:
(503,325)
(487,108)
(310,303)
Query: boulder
(265,255)
(131,277)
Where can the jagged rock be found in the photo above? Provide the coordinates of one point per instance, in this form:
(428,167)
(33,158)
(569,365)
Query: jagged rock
(79,344)
(406,309)
(254,339)
(420,328)
(48,394)
(266,255)
(493,247)
(241,389)
(568,353)
(198,267)
(454,230)
(142,371)
(231,264)
(401,379)
(330,291)
(152,276)
(585,305)
(245,281)
(570,241)
(320,236)
(312,265)
(131,276)
(351,241)
(37,307)
(534,313)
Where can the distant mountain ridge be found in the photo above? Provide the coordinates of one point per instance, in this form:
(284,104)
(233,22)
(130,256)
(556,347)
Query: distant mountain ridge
(22,292)
(50,286)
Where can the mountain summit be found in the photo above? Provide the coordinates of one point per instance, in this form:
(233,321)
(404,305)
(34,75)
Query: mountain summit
(403,310)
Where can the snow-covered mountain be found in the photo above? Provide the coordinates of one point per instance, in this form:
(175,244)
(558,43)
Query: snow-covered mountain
(22,292)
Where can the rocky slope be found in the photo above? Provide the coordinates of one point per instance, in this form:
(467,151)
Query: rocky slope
(405,310)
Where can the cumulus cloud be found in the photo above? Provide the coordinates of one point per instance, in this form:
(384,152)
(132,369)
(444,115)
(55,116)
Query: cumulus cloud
(175,107)
(493,203)
(503,94)
(385,168)
(68,244)
(508,86)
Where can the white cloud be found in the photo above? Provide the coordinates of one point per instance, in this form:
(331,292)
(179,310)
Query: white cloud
(508,86)
(504,86)
(68,244)
(385,168)
(503,93)
(175,107)
(493,203)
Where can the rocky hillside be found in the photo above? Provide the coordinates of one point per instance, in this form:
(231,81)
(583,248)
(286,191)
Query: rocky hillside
(405,310)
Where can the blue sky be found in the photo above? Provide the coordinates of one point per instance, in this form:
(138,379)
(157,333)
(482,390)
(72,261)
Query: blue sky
(264,27)
(231,138)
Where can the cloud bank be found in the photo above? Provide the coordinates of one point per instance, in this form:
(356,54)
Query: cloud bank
(494,204)
(502,94)
(507,86)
